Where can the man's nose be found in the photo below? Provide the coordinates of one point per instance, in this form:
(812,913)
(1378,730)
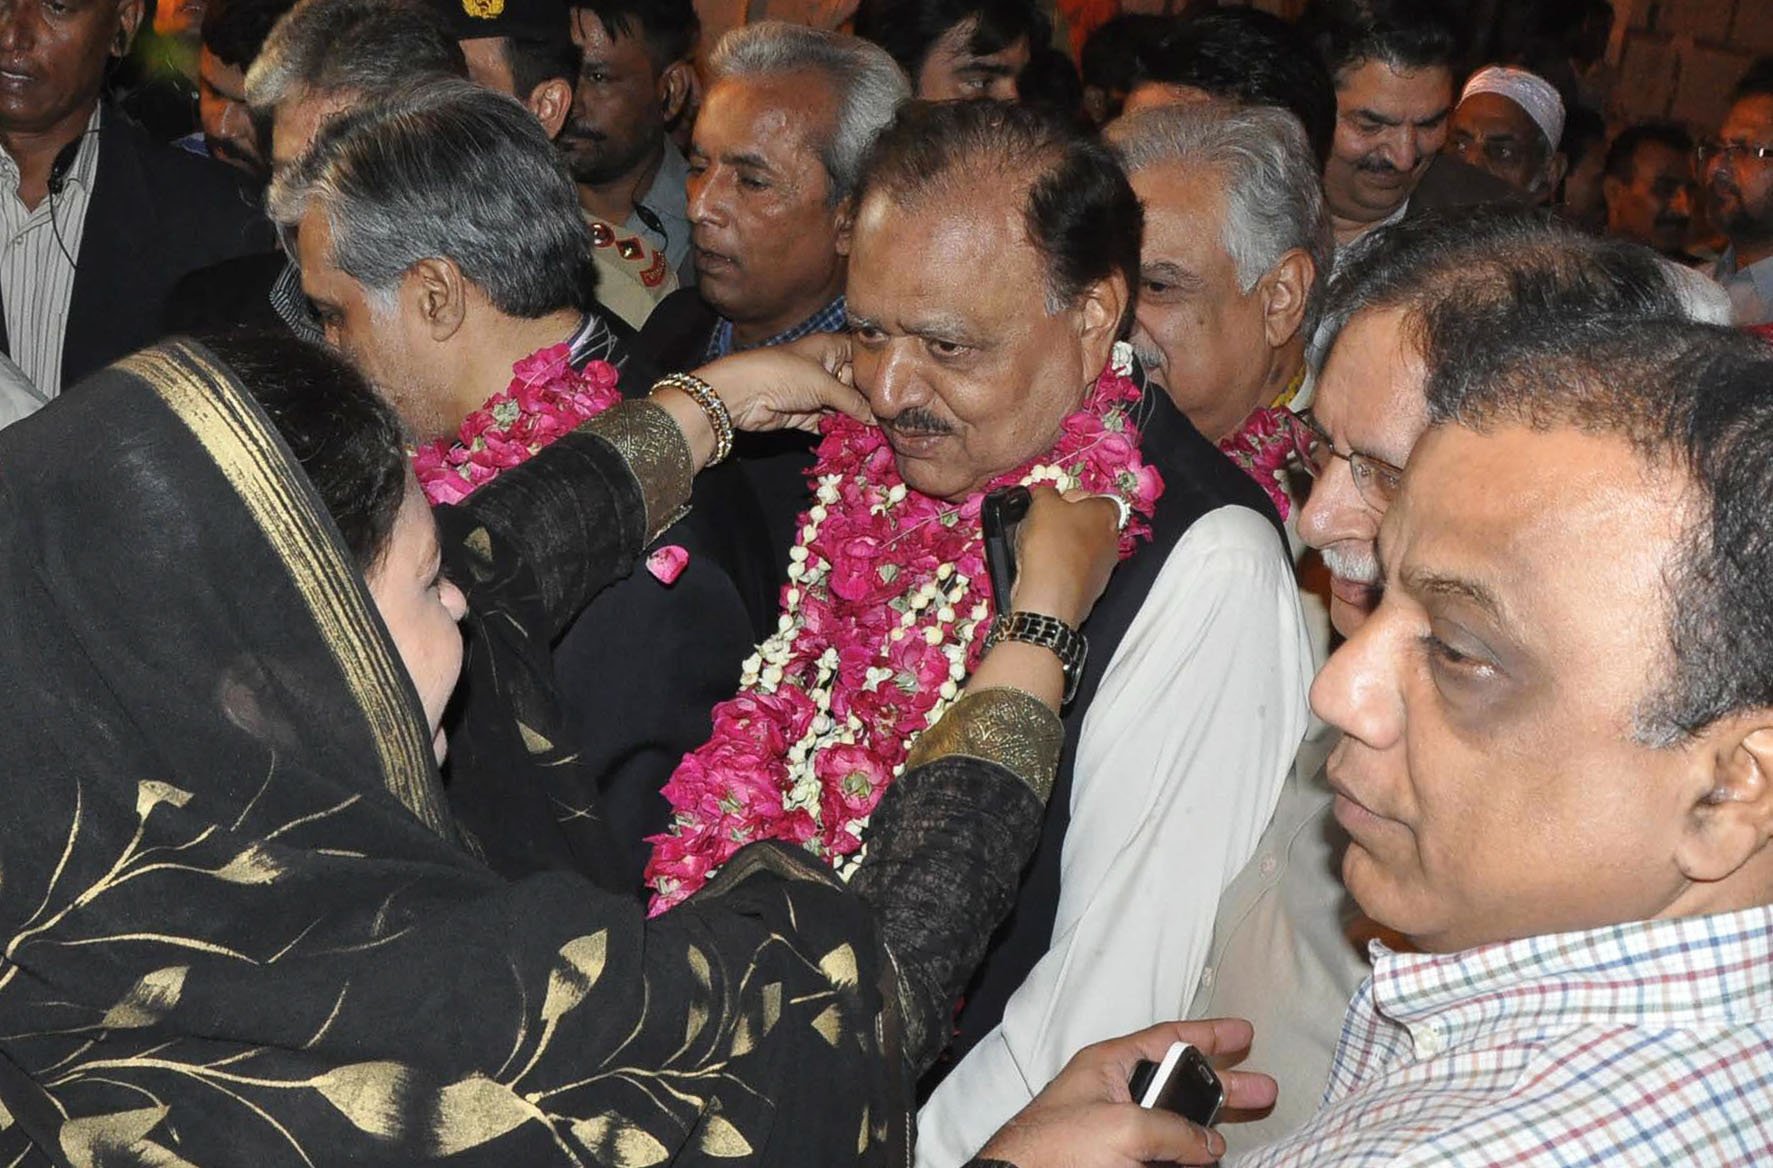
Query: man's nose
(1335,510)
(18,31)
(705,202)
(1406,149)
(1682,203)
(894,384)
(1357,690)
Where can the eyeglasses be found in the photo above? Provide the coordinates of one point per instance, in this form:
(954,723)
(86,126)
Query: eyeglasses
(1375,479)
(1732,152)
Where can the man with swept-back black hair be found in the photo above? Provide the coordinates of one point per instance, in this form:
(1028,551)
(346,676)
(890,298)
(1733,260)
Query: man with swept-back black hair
(1394,63)
(956,49)
(1244,55)
(635,82)
(991,271)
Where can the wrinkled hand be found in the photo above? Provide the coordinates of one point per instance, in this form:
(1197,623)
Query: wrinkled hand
(788,386)
(1087,1119)
(1066,548)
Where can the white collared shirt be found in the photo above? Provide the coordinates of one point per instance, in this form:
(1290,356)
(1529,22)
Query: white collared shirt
(39,249)
(1180,760)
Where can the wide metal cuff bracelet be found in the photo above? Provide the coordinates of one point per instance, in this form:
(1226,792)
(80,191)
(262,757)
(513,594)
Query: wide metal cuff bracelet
(649,441)
(1002,725)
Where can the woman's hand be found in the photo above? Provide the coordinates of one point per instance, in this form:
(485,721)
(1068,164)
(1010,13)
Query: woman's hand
(788,386)
(1066,548)
(1086,1118)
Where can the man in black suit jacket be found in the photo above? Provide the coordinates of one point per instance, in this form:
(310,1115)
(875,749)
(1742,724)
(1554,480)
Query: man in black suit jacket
(103,221)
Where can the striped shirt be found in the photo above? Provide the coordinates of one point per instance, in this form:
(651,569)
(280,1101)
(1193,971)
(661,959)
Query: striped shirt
(39,248)
(1641,1044)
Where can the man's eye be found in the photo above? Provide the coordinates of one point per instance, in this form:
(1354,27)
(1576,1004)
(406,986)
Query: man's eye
(753,183)
(868,334)
(947,348)
(1441,651)
(1154,287)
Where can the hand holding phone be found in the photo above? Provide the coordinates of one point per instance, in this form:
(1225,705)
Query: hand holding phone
(1001,511)
(1184,1082)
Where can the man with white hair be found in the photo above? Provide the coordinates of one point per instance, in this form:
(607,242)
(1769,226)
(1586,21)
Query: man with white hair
(1237,244)
(1510,122)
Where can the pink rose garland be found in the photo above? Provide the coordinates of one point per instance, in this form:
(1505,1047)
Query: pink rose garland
(1263,448)
(546,399)
(883,617)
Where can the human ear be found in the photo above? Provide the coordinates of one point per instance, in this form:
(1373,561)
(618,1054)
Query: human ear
(129,18)
(1610,188)
(844,218)
(1100,309)
(675,84)
(1731,816)
(551,102)
(1285,291)
(440,296)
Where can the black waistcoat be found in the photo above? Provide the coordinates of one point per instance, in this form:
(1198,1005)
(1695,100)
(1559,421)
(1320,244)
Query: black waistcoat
(1198,479)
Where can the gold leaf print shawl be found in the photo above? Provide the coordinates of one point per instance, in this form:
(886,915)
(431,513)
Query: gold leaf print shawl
(236,927)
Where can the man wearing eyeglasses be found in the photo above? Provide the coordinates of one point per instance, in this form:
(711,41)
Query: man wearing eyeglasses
(1289,945)
(1738,170)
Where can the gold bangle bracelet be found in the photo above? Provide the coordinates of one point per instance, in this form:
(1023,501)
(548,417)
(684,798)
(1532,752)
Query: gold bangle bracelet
(700,392)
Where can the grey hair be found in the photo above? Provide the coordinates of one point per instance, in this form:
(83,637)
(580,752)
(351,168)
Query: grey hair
(1274,199)
(868,85)
(365,47)
(445,169)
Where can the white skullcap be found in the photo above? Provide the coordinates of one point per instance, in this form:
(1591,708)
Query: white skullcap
(1530,91)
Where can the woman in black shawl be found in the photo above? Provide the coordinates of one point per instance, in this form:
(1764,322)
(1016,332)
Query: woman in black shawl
(237,925)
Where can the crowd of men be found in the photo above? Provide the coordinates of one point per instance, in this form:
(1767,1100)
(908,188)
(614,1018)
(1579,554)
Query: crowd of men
(1495,902)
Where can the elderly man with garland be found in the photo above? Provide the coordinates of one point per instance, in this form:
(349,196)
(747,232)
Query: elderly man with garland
(441,242)
(992,266)
(1236,247)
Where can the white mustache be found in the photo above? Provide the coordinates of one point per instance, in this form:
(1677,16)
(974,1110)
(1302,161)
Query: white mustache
(1355,567)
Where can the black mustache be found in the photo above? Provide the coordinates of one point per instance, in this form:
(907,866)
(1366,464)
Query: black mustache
(1376,166)
(917,422)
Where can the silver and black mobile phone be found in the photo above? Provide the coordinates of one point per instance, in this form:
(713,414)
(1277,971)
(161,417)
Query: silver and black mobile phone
(1184,1083)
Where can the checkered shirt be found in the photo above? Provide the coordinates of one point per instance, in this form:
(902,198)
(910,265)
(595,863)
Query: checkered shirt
(828,319)
(1641,1044)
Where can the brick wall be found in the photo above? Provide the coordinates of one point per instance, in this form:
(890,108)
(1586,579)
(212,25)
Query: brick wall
(1679,58)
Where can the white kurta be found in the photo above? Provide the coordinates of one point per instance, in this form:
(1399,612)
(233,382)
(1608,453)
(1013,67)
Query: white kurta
(1184,750)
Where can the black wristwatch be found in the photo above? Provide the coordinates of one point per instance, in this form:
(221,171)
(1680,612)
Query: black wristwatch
(1049,632)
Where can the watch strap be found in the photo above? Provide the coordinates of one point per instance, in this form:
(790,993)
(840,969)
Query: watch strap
(1049,632)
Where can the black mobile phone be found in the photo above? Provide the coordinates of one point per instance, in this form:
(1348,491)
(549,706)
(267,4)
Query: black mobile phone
(1002,510)
(1184,1083)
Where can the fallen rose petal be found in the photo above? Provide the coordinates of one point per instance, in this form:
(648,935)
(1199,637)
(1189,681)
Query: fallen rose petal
(667,563)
